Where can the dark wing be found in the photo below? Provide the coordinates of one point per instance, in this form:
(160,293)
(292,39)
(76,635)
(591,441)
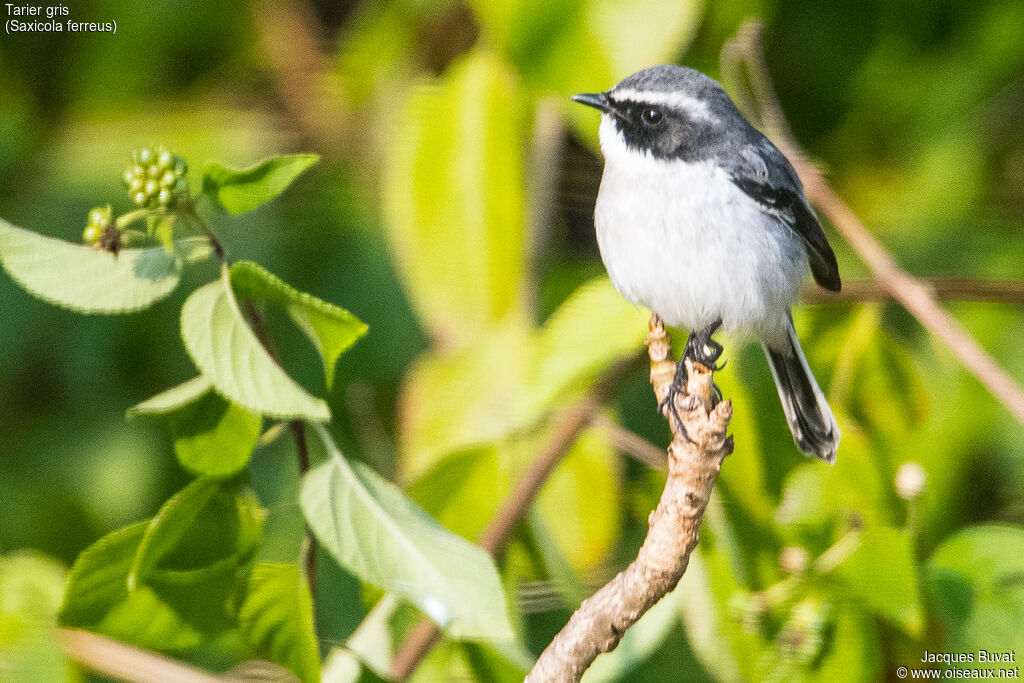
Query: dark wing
(764,174)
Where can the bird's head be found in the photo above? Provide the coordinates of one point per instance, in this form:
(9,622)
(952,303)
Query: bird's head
(668,112)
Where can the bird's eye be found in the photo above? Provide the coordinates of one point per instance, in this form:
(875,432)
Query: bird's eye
(652,117)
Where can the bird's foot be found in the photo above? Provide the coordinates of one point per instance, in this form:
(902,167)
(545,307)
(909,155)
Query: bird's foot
(701,348)
(669,405)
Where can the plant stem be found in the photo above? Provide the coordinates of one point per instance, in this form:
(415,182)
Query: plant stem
(297,427)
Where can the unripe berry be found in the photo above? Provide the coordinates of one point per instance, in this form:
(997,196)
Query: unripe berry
(165,197)
(167,179)
(140,198)
(164,159)
(129,176)
(145,156)
(91,234)
(151,187)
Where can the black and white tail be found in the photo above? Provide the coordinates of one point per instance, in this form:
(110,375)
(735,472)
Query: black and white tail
(810,419)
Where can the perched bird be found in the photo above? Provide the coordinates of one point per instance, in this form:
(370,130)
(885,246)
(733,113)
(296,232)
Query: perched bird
(701,219)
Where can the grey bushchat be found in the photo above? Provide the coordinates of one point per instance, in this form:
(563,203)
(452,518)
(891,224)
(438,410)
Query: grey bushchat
(702,220)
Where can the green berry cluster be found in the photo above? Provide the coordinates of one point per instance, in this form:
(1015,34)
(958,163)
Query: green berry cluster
(156,178)
(100,219)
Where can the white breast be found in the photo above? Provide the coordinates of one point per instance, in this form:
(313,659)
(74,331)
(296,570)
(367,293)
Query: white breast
(682,240)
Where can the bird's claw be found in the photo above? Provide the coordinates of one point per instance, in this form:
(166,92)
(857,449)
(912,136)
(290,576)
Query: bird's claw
(668,405)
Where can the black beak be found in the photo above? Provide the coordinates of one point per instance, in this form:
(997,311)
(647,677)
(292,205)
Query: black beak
(597,100)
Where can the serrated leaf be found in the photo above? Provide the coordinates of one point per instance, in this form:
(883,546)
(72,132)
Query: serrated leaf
(456,169)
(976,586)
(243,190)
(174,398)
(377,533)
(882,573)
(214,437)
(221,344)
(80,278)
(276,618)
(331,328)
(99,577)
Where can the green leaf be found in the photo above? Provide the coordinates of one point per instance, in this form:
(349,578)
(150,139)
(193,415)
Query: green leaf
(221,344)
(378,534)
(244,190)
(570,587)
(462,399)
(876,378)
(456,165)
(571,46)
(975,583)
(276,618)
(99,577)
(463,491)
(854,650)
(204,525)
(726,650)
(167,583)
(882,573)
(580,501)
(174,398)
(214,437)
(813,498)
(80,278)
(30,592)
(595,311)
(145,620)
(331,329)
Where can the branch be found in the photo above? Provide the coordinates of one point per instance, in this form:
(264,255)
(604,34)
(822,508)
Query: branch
(297,66)
(694,463)
(127,663)
(915,296)
(422,637)
(981,290)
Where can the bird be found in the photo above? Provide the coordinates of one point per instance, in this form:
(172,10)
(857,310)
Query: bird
(703,221)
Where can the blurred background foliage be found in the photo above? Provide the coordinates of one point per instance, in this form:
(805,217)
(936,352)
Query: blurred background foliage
(452,213)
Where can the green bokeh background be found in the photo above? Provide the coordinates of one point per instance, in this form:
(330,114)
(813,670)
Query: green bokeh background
(913,108)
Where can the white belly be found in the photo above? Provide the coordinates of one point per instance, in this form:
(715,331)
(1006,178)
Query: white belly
(683,241)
